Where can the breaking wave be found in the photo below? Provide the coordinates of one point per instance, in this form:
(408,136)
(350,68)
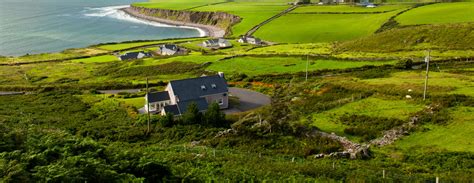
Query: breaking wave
(116,13)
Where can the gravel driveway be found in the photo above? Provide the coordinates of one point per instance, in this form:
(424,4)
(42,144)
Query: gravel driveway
(248,100)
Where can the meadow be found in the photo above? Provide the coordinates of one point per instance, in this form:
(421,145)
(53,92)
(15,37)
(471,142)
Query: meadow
(455,136)
(439,82)
(439,13)
(279,65)
(306,28)
(328,121)
(176,5)
(252,13)
(347,9)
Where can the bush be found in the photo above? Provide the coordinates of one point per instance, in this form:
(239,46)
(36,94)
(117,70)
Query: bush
(368,127)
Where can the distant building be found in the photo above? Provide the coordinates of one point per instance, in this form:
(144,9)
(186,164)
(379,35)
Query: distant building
(180,93)
(300,2)
(217,43)
(171,49)
(134,55)
(250,40)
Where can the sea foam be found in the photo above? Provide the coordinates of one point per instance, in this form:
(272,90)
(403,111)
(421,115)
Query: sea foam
(116,13)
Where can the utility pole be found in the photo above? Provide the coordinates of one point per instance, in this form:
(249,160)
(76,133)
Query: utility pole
(147,108)
(307,65)
(427,60)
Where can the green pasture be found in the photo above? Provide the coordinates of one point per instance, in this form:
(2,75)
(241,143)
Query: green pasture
(293,49)
(306,28)
(175,4)
(103,58)
(457,135)
(347,8)
(439,38)
(84,73)
(438,14)
(194,57)
(252,13)
(123,46)
(137,102)
(454,83)
(66,54)
(328,121)
(275,65)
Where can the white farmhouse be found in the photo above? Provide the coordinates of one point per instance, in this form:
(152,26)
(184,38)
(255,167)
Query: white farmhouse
(180,93)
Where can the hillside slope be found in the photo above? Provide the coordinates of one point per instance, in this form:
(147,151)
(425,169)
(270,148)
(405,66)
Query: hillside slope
(439,37)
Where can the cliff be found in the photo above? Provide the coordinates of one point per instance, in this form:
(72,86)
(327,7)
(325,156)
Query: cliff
(213,20)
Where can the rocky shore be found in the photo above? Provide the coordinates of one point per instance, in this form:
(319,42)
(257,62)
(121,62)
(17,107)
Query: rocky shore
(207,30)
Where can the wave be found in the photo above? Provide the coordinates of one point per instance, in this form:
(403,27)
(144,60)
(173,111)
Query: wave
(116,13)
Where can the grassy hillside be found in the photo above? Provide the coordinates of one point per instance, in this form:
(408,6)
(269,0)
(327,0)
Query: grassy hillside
(457,135)
(252,13)
(438,14)
(347,9)
(373,107)
(306,28)
(275,65)
(442,37)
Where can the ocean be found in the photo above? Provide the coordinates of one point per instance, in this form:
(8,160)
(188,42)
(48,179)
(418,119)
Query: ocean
(41,26)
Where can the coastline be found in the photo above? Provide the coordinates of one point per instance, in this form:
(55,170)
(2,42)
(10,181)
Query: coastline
(206,29)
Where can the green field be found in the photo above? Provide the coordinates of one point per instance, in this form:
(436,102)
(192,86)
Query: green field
(252,13)
(104,58)
(176,4)
(438,14)
(275,65)
(439,82)
(123,46)
(347,8)
(373,106)
(457,135)
(306,28)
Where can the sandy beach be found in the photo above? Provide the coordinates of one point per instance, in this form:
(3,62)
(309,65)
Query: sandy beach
(208,30)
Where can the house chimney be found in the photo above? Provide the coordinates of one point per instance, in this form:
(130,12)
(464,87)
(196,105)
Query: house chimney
(221,74)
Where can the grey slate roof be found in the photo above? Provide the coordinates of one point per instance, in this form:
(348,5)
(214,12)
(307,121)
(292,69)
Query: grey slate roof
(195,88)
(133,55)
(158,96)
(183,106)
(170,47)
(173,109)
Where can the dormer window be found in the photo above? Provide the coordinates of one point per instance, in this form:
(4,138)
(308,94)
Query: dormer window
(213,86)
(203,87)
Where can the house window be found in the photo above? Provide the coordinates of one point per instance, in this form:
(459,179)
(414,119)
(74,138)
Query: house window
(221,102)
(203,87)
(213,86)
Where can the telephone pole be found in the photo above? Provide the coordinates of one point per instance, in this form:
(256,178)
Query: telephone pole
(147,108)
(307,65)
(427,60)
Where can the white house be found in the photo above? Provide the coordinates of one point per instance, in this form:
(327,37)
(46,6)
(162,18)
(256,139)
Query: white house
(217,43)
(250,40)
(171,49)
(134,55)
(178,94)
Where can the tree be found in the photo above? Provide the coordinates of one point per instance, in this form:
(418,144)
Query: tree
(214,116)
(192,114)
(167,120)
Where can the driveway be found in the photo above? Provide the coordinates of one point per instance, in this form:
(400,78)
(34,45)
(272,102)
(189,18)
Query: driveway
(248,100)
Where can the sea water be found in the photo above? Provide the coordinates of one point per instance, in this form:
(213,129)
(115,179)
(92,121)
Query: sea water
(39,26)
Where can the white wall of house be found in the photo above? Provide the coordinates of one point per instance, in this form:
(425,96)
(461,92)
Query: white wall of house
(169,89)
(222,99)
(157,106)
